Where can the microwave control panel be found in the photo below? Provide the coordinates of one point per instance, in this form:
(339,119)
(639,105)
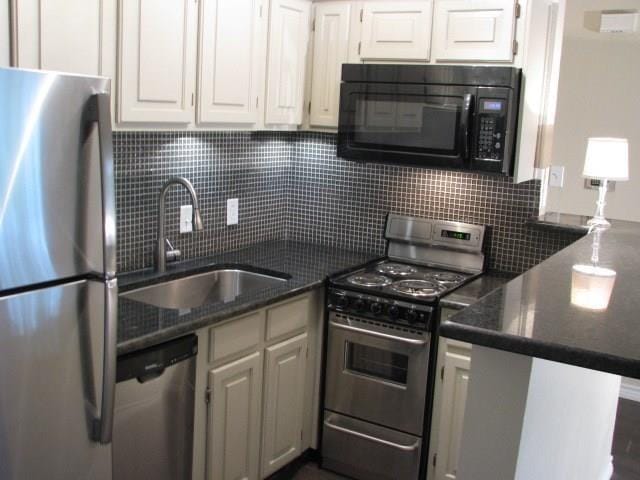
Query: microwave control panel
(491,128)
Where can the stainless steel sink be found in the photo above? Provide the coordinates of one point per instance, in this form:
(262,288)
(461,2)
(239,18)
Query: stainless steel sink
(202,289)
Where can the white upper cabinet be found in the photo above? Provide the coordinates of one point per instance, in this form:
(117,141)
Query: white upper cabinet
(231,61)
(157,55)
(74,36)
(5,53)
(289,28)
(396,31)
(474,30)
(330,51)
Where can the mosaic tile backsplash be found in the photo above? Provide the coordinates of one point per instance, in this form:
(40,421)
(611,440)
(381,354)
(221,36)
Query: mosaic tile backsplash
(292,185)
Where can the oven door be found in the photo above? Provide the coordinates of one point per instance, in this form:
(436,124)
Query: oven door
(422,125)
(377,373)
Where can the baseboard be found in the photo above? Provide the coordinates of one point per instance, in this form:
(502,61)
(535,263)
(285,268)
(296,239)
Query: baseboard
(630,392)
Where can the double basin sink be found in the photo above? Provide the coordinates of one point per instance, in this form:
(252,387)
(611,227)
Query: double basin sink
(217,286)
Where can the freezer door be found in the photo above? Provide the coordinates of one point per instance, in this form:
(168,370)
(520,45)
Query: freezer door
(52,383)
(57,203)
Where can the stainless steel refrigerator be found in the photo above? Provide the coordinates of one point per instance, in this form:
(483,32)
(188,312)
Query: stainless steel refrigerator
(58,292)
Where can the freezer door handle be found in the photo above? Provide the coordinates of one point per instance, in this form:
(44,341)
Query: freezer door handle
(104,425)
(101,108)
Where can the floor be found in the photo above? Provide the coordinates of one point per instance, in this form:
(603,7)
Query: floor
(626,448)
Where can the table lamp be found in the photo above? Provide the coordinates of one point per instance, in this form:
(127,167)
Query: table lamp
(606,159)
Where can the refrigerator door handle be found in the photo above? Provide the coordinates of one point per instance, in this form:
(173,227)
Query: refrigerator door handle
(101,108)
(104,425)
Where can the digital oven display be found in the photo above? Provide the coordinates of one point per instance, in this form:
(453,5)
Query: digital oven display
(492,106)
(456,235)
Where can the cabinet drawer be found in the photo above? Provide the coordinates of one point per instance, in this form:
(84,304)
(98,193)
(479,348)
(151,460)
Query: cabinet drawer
(236,336)
(287,318)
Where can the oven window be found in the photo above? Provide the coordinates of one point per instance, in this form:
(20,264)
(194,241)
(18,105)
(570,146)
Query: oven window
(375,362)
(407,122)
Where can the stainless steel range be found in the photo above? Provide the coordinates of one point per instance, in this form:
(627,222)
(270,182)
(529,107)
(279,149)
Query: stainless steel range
(381,347)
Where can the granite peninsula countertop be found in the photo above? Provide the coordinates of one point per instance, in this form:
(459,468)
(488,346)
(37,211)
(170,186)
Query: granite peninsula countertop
(307,265)
(533,314)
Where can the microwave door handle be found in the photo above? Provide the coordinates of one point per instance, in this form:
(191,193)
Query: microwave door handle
(467,101)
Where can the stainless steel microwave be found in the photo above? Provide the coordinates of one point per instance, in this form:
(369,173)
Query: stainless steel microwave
(433,116)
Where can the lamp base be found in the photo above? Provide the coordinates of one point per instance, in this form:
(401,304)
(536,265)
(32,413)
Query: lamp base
(598,220)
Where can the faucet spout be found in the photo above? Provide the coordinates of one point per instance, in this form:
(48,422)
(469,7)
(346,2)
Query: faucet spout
(161,253)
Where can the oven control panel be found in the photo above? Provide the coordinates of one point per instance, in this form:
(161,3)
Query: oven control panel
(381,309)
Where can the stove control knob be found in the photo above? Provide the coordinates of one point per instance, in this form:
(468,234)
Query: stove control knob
(342,301)
(376,308)
(359,305)
(394,312)
(411,316)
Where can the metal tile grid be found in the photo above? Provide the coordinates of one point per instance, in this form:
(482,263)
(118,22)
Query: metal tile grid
(337,202)
(250,166)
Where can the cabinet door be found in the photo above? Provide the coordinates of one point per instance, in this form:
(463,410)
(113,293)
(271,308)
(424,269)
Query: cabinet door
(156,58)
(288,38)
(478,30)
(454,398)
(233,432)
(231,61)
(75,36)
(396,31)
(330,51)
(283,406)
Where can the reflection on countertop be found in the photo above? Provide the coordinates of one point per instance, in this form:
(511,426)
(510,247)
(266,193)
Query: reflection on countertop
(141,325)
(534,315)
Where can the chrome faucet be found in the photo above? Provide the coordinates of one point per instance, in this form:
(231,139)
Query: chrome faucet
(161,254)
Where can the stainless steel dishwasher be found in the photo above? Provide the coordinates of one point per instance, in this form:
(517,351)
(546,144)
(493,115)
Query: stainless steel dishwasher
(153,427)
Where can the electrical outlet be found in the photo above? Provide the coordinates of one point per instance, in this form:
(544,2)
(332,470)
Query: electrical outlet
(186,218)
(556,176)
(232,211)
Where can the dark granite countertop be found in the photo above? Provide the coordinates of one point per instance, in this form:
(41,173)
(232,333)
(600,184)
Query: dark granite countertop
(533,314)
(564,222)
(308,265)
(475,290)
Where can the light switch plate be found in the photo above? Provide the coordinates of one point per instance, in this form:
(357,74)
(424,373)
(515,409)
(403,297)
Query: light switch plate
(186,219)
(556,176)
(232,211)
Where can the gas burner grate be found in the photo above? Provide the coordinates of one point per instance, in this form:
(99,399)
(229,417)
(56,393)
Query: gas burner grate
(368,280)
(417,288)
(396,269)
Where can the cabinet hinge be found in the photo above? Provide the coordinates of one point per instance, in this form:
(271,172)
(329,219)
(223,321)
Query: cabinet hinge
(313,25)
(442,373)
(515,47)
(207,396)
(309,108)
(435,458)
(361,14)
(359,47)
(193,99)
(518,10)
(257,101)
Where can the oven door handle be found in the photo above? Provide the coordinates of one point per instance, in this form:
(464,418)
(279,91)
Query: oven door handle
(373,333)
(364,436)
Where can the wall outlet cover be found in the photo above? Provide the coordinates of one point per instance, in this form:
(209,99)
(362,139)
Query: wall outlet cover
(556,176)
(186,219)
(232,211)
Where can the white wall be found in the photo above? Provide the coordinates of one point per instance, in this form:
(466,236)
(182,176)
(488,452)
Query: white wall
(597,96)
(4,33)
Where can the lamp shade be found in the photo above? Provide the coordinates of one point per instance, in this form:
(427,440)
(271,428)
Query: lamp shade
(607,158)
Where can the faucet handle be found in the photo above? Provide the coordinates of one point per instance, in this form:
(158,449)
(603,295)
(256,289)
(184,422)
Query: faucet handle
(172,254)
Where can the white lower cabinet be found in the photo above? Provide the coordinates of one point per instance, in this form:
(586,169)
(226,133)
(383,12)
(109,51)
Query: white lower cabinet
(233,430)
(448,419)
(283,396)
(257,385)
